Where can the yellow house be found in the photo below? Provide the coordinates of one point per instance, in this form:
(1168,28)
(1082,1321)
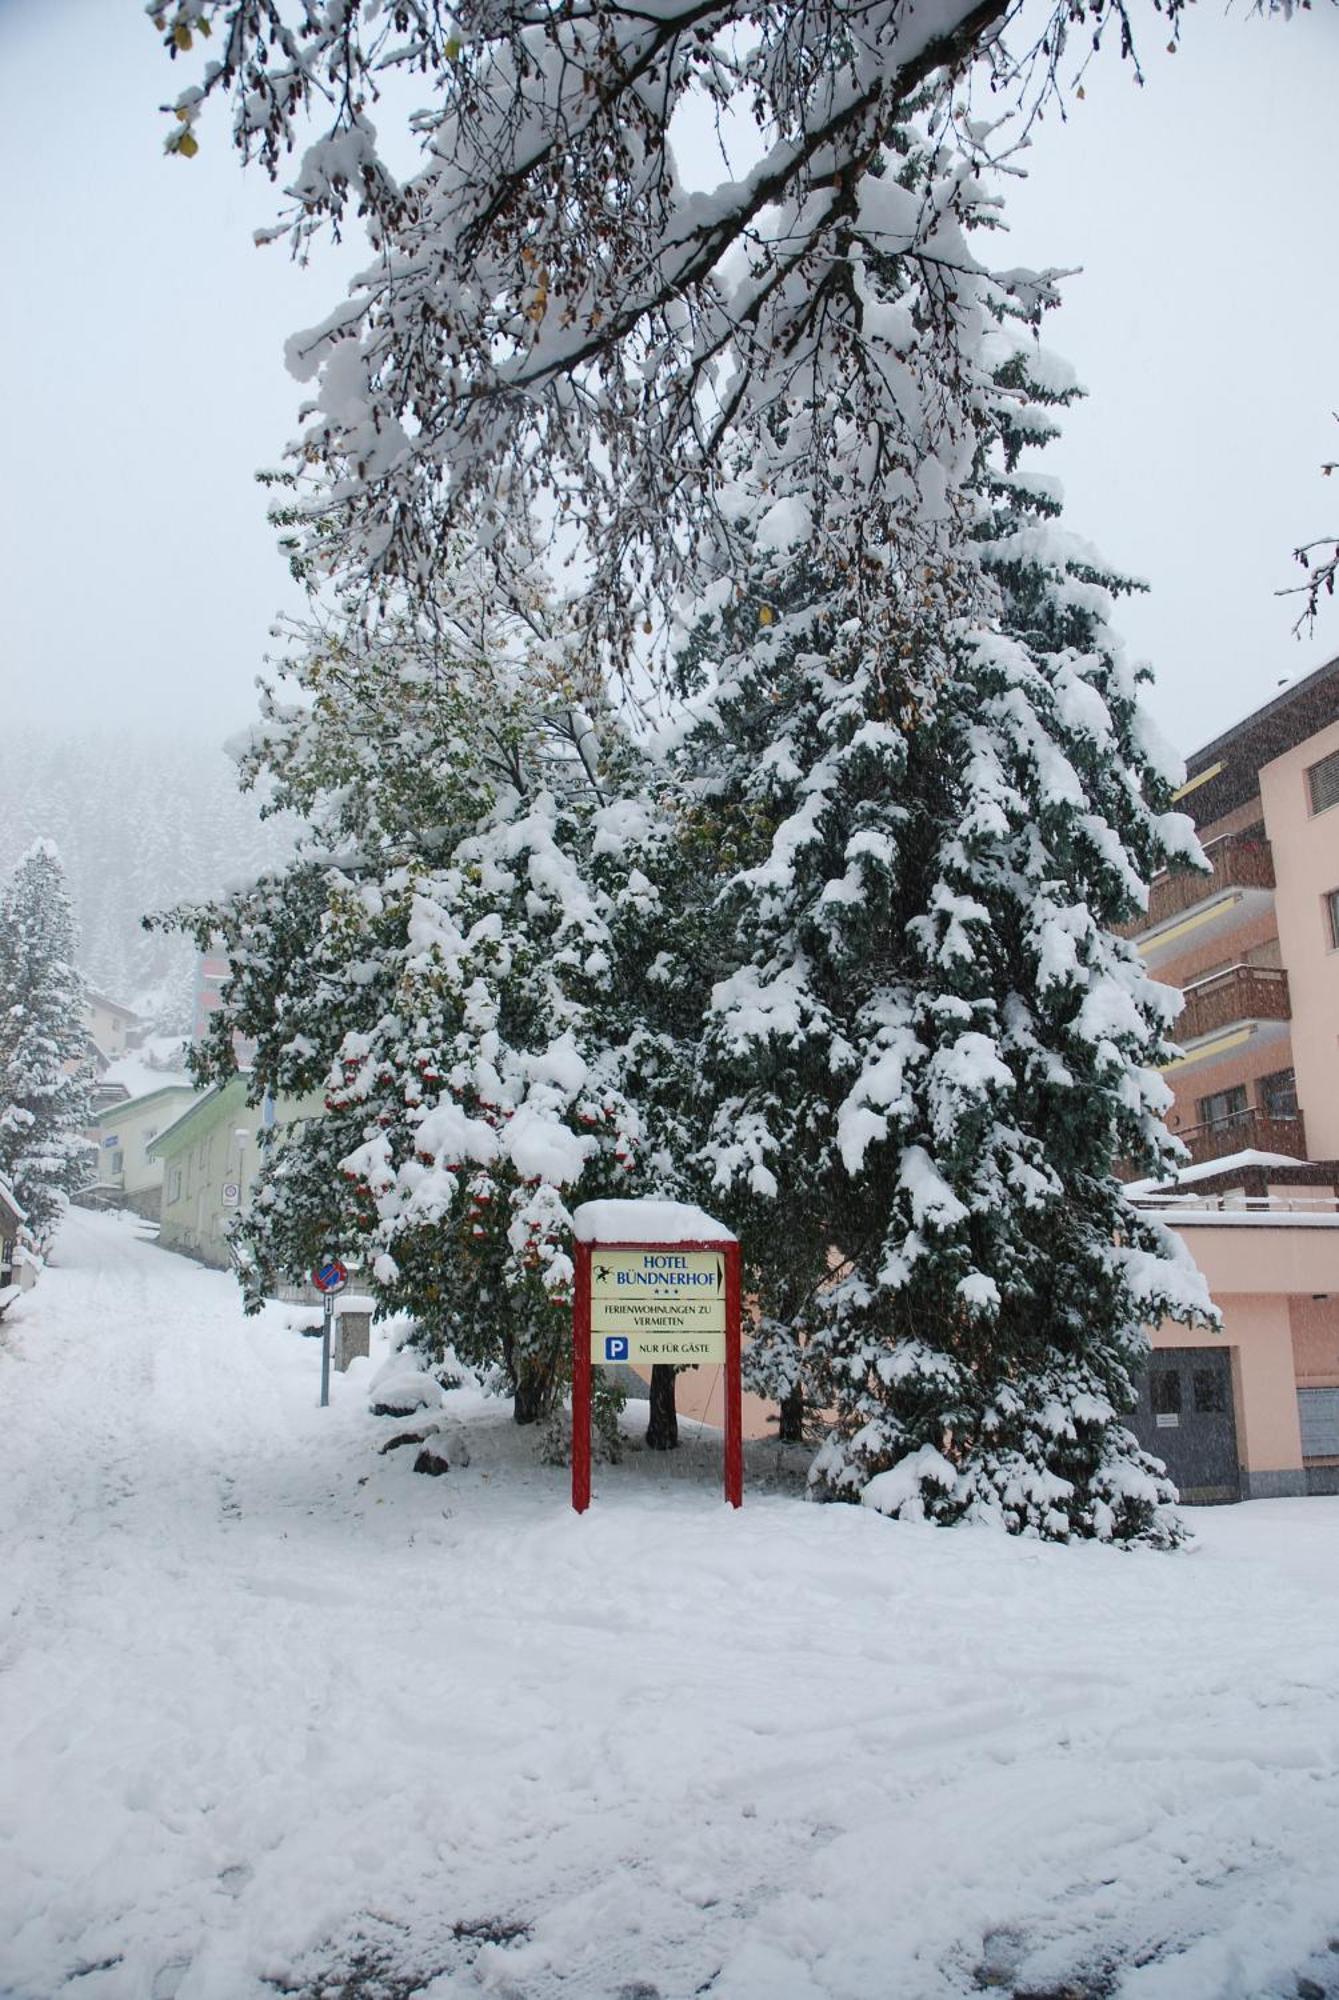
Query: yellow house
(127,1174)
(209,1159)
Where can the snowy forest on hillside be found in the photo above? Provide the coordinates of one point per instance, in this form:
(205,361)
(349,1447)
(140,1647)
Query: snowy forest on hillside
(139,821)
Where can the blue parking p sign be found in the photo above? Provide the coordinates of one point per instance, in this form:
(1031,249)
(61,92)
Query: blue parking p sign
(616,1347)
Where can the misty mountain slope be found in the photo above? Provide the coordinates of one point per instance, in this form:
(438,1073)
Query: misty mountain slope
(141,822)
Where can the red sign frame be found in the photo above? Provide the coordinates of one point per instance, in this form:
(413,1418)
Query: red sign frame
(581,1363)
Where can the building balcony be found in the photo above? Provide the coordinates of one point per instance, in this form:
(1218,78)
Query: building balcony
(1243,1012)
(1256,1131)
(1244,993)
(1240,995)
(1190,909)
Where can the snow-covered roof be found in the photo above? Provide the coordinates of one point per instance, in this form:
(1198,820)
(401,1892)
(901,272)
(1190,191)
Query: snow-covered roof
(208,1101)
(647,1222)
(97,999)
(1231,1163)
(10,1200)
(1196,1217)
(113,1113)
(1288,688)
(143,1070)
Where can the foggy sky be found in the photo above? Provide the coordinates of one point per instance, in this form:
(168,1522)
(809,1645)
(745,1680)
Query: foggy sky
(141,358)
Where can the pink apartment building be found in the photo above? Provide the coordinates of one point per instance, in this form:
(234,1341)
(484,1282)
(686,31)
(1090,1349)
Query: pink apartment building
(1253,1412)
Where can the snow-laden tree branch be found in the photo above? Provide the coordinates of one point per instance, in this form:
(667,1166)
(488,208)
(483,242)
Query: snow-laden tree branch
(1320,560)
(553,291)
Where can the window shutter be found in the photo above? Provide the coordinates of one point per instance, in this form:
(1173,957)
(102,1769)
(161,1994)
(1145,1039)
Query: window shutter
(1319,1412)
(1323,783)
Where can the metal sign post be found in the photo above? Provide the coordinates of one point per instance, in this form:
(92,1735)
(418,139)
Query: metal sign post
(656,1302)
(327,1327)
(329,1277)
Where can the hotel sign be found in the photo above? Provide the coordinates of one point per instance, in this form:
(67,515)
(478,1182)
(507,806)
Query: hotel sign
(654,1304)
(643,1295)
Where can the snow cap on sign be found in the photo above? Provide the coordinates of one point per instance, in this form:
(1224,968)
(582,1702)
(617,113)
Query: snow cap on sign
(647,1222)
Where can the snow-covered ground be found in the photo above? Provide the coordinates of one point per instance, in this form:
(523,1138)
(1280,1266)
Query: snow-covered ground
(279,1716)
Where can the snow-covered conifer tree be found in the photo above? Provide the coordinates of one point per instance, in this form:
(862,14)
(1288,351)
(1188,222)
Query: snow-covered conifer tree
(44,1074)
(934,1037)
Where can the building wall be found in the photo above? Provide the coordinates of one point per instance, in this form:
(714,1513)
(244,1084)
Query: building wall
(1315,1336)
(134,1126)
(220,1151)
(217,1151)
(1257,1331)
(1306,864)
(107,1026)
(1253,941)
(1245,1064)
(1257,1259)
(1271,1281)
(700,1393)
(211,974)
(1294,934)
(1239,820)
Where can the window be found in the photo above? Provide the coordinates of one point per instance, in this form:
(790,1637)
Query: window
(1322,782)
(1278,1094)
(1332,913)
(116,1163)
(1166,1392)
(175,1189)
(1224,1107)
(1208,1387)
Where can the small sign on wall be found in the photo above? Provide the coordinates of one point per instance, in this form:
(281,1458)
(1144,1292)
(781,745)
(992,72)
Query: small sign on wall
(232,1194)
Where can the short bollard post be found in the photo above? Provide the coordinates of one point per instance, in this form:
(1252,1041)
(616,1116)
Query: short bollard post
(353,1334)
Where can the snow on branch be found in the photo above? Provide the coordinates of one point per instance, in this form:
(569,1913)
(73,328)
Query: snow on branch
(552,299)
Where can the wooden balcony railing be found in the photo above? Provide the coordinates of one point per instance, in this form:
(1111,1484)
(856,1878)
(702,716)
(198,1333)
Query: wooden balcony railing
(1242,993)
(1255,1130)
(1239,860)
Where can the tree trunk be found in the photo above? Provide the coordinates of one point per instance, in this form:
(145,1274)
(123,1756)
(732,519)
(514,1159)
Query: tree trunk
(530,1401)
(533,1383)
(790,1430)
(662,1432)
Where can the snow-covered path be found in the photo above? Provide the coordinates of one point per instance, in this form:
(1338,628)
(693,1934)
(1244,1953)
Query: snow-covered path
(273,1709)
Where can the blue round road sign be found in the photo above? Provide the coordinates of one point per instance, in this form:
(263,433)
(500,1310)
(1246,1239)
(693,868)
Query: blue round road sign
(330,1276)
